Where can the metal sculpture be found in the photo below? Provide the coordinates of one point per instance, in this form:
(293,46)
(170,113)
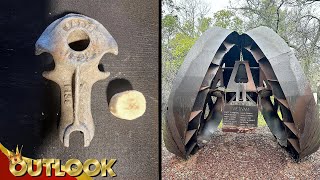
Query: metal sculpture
(255,69)
(77,43)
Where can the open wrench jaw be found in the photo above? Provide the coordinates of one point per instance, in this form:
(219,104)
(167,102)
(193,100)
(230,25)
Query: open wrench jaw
(76,70)
(87,134)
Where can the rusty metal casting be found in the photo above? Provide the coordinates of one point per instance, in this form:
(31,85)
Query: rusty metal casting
(274,82)
(77,43)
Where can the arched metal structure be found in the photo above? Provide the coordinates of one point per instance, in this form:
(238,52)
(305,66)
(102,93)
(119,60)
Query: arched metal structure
(281,90)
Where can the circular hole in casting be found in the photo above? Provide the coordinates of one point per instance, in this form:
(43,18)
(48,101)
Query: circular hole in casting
(78,40)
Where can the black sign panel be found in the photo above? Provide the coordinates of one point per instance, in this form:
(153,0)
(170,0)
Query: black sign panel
(240,115)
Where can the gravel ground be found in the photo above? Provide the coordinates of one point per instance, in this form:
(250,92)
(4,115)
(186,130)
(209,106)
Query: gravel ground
(240,156)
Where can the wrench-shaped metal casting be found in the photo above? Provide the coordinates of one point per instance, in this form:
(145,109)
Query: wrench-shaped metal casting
(76,68)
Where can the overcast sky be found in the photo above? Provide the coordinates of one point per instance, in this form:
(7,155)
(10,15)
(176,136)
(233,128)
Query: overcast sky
(216,5)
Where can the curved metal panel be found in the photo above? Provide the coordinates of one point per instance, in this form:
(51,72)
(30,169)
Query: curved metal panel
(186,87)
(294,85)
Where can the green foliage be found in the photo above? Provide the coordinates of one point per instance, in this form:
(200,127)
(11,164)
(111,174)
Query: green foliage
(169,27)
(204,24)
(172,65)
(227,19)
(181,44)
(169,22)
(261,121)
(265,13)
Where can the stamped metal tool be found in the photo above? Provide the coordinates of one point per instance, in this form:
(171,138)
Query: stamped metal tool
(77,43)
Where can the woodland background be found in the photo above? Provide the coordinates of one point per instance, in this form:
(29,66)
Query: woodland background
(296,21)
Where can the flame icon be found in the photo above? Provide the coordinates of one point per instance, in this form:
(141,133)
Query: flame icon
(15,157)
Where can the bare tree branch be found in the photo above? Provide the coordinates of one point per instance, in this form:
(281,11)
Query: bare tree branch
(278,15)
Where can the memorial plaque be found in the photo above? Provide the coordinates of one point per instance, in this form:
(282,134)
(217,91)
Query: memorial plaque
(240,115)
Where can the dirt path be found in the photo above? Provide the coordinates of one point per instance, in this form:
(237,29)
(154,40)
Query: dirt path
(240,156)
